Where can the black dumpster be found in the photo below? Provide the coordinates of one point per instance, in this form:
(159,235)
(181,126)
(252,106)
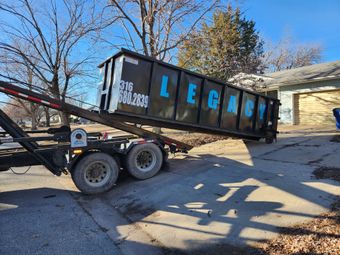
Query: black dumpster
(336,113)
(143,90)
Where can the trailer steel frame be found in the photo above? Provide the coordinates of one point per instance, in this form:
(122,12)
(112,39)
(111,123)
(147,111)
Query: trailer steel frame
(58,155)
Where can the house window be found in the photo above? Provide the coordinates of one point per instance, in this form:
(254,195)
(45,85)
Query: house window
(272,93)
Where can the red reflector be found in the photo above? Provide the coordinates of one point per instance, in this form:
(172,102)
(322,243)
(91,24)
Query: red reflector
(12,91)
(34,99)
(55,105)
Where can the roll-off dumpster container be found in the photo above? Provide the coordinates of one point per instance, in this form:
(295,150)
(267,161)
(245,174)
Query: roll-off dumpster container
(144,90)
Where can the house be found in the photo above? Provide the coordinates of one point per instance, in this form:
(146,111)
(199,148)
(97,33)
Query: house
(308,94)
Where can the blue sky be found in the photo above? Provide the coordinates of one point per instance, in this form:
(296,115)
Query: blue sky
(306,21)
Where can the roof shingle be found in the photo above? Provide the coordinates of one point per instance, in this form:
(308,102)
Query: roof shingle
(305,74)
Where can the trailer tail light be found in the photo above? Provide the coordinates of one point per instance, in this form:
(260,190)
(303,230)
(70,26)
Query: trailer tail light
(78,151)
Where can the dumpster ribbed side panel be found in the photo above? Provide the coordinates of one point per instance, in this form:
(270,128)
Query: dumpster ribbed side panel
(164,84)
(211,104)
(188,98)
(133,86)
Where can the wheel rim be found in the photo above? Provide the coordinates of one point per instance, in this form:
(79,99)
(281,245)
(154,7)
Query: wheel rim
(97,173)
(146,160)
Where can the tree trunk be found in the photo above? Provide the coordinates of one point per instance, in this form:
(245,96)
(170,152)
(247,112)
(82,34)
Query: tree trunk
(33,107)
(33,116)
(65,118)
(47,116)
(34,122)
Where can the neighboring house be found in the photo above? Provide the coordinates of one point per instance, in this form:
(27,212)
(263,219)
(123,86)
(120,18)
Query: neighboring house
(308,94)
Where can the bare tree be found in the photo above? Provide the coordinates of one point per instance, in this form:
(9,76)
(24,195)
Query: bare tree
(20,110)
(157,27)
(20,72)
(54,32)
(15,111)
(287,55)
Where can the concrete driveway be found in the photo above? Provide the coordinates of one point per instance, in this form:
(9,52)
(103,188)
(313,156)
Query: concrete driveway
(218,199)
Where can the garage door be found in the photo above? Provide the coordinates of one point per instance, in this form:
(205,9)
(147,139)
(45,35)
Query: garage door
(316,108)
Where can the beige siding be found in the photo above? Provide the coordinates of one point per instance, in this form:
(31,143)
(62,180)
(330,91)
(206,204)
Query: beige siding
(315,108)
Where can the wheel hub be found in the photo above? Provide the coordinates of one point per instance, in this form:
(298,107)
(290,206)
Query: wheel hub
(96,172)
(144,159)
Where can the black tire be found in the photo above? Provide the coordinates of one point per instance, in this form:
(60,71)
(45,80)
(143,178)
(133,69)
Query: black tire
(144,161)
(95,173)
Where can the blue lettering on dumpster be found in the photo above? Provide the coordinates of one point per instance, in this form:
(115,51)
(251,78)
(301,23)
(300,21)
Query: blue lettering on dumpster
(191,93)
(262,110)
(164,86)
(232,104)
(213,99)
(249,108)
